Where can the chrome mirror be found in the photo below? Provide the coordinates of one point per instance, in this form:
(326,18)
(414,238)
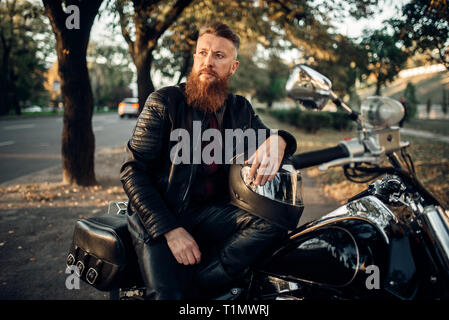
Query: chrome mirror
(309,87)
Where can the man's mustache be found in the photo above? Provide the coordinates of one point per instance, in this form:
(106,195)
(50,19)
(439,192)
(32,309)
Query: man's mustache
(209,71)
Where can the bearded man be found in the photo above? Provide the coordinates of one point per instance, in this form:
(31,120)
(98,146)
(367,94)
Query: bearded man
(189,240)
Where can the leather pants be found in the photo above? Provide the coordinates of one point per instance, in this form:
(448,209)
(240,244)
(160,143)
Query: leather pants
(230,240)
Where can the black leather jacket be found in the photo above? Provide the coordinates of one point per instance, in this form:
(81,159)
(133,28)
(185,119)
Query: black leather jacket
(158,190)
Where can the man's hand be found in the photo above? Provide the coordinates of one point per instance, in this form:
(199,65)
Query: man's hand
(267,159)
(183,246)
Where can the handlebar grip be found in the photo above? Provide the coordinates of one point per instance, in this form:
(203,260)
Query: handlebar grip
(309,159)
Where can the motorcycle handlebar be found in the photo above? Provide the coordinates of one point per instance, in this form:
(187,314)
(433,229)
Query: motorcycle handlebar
(309,159)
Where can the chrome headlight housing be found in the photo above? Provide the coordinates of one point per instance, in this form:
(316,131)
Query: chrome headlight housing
(381,112)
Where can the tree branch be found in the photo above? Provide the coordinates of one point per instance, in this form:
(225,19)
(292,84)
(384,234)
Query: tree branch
(166,21)
(54,12)
(287,10)
(123,26)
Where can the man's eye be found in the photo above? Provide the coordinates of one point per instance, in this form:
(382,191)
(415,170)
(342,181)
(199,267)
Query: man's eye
(219,56)
(203,53)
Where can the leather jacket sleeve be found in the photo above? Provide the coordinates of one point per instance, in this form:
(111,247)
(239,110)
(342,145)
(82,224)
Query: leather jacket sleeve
(143,150)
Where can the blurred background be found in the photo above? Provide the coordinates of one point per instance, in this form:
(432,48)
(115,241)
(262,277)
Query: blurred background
(385,47)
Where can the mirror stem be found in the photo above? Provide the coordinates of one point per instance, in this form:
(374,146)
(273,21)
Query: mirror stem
(352,114)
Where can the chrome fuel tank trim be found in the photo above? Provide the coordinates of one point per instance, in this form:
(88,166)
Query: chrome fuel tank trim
(368,209)
(437,227)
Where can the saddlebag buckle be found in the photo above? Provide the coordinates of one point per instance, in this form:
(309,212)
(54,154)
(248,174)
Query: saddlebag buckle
(91,275)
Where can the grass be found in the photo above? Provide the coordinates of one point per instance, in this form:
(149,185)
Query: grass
(431,159)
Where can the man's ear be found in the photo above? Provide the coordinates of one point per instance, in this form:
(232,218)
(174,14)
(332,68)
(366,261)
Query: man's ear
(234,67)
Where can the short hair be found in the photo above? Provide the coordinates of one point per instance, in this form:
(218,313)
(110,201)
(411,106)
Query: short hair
(221,30)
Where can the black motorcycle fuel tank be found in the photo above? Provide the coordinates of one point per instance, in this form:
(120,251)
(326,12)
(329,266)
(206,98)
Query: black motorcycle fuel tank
(337,249)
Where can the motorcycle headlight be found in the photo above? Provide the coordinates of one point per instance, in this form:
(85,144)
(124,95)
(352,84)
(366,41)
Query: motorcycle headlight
(381,112)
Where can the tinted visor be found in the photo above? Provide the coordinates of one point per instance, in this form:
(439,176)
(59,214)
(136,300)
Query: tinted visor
(286,187)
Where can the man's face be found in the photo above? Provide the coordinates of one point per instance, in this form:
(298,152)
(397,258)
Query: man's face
(214,58)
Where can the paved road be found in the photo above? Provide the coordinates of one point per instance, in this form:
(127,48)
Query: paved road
(32,144)
(425,134)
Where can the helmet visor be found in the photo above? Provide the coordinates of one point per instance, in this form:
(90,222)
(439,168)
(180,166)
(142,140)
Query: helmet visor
(286,186)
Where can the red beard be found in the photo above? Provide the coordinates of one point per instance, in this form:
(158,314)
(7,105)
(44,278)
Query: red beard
(206,96)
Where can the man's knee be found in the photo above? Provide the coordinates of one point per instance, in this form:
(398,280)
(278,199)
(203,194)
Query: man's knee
(259,226)
(256,239)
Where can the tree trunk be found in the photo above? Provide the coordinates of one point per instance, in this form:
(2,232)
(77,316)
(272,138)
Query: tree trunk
(78,141)
(4,104)
(147,32)
(144,83)
(12,92)
(378,87)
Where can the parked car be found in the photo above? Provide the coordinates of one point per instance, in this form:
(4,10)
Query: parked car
(128,107)
(33,108)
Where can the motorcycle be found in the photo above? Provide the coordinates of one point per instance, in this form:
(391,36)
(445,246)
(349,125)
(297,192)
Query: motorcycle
(391,241)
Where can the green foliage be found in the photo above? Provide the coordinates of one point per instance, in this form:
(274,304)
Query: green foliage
(412,101)
(275,73)
(340,121)
(282,25)
(424,28)
(25,40)
(263,79)
(345,64)
(385,58)
(312,121)
(109,73)
(248,77)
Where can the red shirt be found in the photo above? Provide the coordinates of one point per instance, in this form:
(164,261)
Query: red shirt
(211,182)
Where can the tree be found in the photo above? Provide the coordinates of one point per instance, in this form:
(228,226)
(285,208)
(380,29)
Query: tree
(72,32)
(271,86)
(424,27)
(149,20)
(444,102)
(385,58)
(22,32)
(249,75)
(109,73)
(301,24)
(345,64)
(412,101)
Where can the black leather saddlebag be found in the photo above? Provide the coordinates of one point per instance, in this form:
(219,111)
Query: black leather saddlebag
(103,253)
